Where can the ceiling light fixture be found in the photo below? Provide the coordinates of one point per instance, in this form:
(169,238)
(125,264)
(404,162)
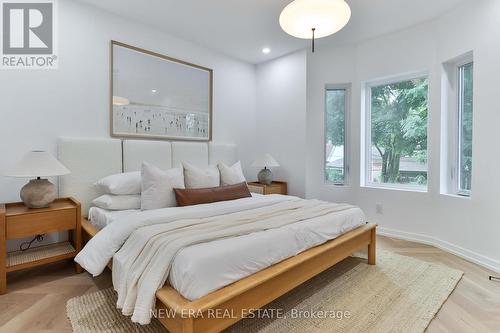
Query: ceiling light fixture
(154,91)
(311,19)
(266,50)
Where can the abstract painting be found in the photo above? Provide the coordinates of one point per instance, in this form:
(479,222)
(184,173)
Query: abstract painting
(154,96)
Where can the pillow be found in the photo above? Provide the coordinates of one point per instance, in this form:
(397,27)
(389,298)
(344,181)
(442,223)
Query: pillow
(157,186)
(121,183)
(188,197)
(118,202)
(195,177)
(231,175)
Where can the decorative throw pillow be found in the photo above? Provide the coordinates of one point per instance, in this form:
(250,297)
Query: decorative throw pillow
(121,183)
(157,186)
(118,202)
(195,177)
(188,197)
(230,175)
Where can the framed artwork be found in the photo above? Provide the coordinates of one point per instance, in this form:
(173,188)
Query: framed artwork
(154,96)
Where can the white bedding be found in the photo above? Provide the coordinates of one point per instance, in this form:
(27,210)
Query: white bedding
(100,217)
(95,256)
(202,268)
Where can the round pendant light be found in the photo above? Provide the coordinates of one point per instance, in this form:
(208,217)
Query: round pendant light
(310,19)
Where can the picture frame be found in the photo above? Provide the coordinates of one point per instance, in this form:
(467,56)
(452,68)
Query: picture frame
(154,96)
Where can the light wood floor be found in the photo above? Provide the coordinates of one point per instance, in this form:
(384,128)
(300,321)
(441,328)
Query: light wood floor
(36,301)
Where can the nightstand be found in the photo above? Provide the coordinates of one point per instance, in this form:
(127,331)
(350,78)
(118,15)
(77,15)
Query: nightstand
(18,221)
(276,187)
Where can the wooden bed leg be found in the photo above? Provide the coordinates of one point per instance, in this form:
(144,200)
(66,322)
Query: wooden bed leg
(372,247)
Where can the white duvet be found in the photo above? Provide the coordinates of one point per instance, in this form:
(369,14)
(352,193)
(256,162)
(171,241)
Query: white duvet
(161,235)
(101,248)
(198,270)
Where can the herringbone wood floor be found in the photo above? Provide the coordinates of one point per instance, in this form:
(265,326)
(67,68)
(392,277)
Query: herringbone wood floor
(36,301)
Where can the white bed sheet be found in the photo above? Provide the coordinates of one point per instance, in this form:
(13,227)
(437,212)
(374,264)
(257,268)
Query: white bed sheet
(200,269)
(101,218)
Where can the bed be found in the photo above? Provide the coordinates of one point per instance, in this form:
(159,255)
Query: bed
(193,308)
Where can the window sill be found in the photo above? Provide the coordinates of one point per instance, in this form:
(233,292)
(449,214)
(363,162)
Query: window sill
(328,184)
(396,188)
(456,196)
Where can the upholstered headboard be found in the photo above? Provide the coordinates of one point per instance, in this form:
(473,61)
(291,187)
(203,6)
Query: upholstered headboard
(91,159)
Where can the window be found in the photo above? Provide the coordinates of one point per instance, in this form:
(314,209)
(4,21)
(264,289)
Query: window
(396,139)
(457,124)
(465,88)
(336,114)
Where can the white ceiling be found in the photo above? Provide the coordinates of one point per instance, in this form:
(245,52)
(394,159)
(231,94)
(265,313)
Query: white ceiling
(241,28)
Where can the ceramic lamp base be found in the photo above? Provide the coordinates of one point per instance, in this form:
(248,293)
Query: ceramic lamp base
(265,176)
(38,193)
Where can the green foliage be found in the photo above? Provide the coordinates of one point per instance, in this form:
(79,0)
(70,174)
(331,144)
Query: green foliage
(334,175)
(335,131)
(335,116)
(466,127)
(399,124)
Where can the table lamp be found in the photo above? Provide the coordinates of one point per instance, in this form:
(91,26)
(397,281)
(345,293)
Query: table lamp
(265,175)
(39,192)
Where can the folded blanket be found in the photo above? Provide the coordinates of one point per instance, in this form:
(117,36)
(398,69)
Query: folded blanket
(142,265)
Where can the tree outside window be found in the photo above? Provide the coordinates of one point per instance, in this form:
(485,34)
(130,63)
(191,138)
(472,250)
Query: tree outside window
(398,152)
(465,135)
(335,159)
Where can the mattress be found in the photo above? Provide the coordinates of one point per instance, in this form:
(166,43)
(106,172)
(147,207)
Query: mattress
(101,218)
(200,269)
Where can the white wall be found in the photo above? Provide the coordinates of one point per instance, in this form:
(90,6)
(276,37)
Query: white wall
(281,116)
(328,66)
(39,106)
(469,227)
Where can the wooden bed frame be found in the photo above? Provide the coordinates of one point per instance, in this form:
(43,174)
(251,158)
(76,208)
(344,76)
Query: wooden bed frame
(224,307)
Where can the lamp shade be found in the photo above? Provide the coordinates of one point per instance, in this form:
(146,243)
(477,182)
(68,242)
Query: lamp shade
(38,164)
(265,161)
(326,17)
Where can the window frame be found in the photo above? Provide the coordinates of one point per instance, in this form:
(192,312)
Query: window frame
(457,111)
(367,142)
(347,87)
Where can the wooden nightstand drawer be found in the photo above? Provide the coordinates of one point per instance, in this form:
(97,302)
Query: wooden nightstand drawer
(256,189)
(274,190)
(40,223)
(275,187)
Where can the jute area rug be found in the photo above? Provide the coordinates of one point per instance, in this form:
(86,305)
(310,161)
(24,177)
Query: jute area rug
(399,294)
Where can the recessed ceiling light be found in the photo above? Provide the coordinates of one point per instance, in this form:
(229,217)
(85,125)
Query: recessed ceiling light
(266,50)
(154,91)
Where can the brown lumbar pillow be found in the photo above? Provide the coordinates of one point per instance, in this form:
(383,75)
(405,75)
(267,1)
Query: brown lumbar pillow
(188,197)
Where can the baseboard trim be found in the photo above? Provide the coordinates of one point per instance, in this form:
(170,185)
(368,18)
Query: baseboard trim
(471,256)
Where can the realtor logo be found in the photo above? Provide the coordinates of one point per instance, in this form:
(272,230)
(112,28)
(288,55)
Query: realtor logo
(28,34)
